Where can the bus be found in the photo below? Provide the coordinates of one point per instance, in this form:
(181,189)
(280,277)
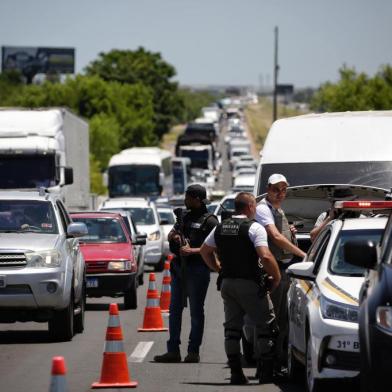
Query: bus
(181,174)
(140,172)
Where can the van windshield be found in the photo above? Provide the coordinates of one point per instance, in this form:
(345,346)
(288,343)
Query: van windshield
(376,174)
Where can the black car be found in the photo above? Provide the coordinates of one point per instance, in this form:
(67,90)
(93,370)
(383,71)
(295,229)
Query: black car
(375,315)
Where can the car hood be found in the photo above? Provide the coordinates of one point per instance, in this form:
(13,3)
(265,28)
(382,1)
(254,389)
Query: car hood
(148,229)
(166,230)
(343,289)
(94,252)
(28,241)
(305,203)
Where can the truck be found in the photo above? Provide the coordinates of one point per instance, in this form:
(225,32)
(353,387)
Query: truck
(46,147)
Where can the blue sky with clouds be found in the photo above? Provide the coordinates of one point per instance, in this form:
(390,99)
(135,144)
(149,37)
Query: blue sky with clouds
(214,41)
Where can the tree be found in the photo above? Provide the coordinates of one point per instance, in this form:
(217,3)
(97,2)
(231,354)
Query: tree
(149,69)
(355,91)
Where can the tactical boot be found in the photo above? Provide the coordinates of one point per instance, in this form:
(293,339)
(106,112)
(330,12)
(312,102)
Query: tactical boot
(169,357)
(237,375)
(265,371)
(192,358)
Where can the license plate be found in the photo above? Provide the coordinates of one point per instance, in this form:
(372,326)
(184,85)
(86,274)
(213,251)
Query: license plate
(2,281)
(344,343)
(92,283)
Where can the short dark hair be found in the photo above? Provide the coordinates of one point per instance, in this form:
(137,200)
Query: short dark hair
(242,200)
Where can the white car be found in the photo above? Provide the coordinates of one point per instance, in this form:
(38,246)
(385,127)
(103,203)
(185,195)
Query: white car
(166,220)
(323,303)
(227,203)
(145,215)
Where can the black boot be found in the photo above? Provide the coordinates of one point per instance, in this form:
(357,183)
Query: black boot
(265,371)
(237,375)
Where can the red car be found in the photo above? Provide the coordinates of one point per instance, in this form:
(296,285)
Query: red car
(108,253)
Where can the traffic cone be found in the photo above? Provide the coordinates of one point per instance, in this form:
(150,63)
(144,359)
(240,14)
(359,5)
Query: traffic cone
(58,382)
(114,372)
(169,258)
(166,289)
(153,321)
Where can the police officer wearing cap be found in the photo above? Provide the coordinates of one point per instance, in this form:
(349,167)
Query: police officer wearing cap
(241,243)
(282,243)
(197,224)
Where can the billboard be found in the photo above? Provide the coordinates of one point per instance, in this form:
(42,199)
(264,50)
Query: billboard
(35,60)
(285,89)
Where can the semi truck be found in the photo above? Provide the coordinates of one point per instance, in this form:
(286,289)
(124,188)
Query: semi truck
(48,148)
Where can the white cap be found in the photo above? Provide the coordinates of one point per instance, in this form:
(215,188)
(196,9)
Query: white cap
(276,178)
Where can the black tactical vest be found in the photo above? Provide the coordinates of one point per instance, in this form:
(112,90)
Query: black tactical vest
(237,253)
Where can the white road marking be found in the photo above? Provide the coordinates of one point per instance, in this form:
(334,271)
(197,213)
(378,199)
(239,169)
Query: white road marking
(140,352)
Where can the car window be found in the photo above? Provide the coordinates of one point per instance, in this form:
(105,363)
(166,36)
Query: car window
(167,215)
(337,262)
(316,246)
(102,230)
(228,204)
(140,215)
(320,252)
(27,216)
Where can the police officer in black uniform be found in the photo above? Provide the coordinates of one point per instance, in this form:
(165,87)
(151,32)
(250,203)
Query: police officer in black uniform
(190,275)
(241,244)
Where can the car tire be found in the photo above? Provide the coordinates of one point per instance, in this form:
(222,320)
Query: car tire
(79,318)
(312,384)
(293,366)
(61,326)
(130,296)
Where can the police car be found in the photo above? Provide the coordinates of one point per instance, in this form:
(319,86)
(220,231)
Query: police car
(323,300)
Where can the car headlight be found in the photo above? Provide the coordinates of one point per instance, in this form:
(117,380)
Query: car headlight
(43,259)
(384,317)
(338,311)
(156,235)
(119,265)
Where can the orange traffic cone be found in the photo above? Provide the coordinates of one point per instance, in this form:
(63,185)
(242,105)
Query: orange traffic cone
(166,290)
(153,321)
(169,258)
(58,382)
(114,373)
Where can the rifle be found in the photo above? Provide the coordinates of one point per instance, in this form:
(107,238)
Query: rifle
(179,228)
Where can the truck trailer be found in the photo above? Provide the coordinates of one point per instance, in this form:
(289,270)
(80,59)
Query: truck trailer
(48,148)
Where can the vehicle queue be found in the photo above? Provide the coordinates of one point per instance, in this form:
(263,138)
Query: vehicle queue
(330,296)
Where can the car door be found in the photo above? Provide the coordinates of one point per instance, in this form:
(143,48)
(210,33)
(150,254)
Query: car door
(304,289)
(74,251)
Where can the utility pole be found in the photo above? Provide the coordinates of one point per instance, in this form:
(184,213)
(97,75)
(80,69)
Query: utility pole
(276,70)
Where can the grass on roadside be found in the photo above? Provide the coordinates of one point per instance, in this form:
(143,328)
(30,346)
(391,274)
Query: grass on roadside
(169,140)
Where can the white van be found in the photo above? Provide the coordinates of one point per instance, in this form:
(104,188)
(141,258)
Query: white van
(329,148)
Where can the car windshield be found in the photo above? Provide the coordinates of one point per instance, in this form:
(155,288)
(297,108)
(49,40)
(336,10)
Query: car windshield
(337,263)
(167,215)
(102,230)
(140,215)
(27,216)
(228,204)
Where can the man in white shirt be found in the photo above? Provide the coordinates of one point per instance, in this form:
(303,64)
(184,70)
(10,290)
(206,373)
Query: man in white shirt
(282,243)
(241,245)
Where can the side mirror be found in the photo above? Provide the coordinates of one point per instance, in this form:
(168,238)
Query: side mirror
(303,270)
(68,175)
(77,229)
(361,253)
(140,239)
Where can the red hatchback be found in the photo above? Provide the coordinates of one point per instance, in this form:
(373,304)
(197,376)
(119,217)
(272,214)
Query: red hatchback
(108,253)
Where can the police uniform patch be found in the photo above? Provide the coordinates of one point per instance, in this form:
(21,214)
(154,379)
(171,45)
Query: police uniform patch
(230,228)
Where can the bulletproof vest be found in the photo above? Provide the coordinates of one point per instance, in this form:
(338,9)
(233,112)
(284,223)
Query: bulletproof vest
(195,231)
(283,227)
(236,252)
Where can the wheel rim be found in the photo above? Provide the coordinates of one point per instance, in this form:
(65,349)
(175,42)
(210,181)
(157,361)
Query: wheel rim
(309,367)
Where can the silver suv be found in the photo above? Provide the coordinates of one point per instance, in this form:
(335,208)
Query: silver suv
(42,271)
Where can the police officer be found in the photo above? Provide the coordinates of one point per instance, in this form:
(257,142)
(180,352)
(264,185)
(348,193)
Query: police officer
(241,243)
(281,241)
(190,275)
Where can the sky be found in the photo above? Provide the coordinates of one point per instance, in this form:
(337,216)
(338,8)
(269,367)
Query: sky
(219,42)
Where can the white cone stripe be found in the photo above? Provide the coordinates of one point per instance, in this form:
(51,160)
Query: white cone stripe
(152,286)
(140,351)
(166,273)
(114,346)
(153,303)
(114,321)
(166,288)
(58,384)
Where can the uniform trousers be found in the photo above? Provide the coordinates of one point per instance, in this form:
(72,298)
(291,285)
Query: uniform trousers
(240,298)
